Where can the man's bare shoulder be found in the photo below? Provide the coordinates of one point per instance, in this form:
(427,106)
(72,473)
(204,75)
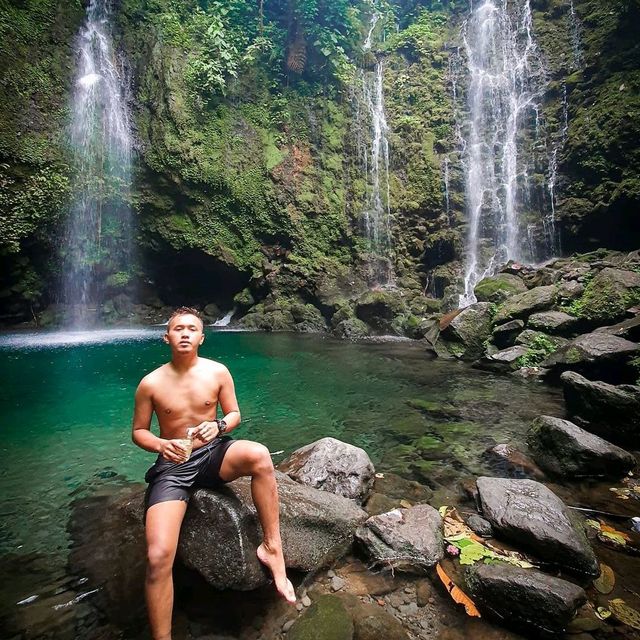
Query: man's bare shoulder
(154,378)
(212,366)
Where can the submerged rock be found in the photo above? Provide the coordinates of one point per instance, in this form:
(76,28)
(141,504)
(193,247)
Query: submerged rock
(409,540)
(522,598)
(332,465)
(612,412)
(562,448)
(512,462)
(221,532)
(529,514)
(502,361)
(326,619)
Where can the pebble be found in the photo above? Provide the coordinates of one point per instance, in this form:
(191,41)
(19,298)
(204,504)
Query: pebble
(331,573)
(408,590)
(408,609)
(306,601)
(337,583)
(287,625)
(299,606)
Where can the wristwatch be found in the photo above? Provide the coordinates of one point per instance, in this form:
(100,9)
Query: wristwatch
(222,427)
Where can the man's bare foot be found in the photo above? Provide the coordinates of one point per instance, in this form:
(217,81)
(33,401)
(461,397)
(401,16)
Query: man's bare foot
(274,561)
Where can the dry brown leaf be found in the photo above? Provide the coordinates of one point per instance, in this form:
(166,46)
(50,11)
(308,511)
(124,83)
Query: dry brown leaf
(605,582)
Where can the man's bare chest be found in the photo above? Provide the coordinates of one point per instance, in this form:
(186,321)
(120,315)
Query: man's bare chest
(185,398)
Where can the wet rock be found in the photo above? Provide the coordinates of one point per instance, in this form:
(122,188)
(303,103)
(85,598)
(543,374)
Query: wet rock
(512,462)
(629,329)
(609,295)
(360,581)
(502,361)
(523,598)
(371,622)
(562,448)
(221,532)
(406,539)
(532,516)
(351,329)
(498,288)
(570,290)
(480,526)
(524,304)
(529,337)
(469,329)
(504,335)
(593,353)
(379,308)
(308,319)
(552,322)
(211,312)
(612,412)
(379,503)
(332,465)
(397,487)
(326,619)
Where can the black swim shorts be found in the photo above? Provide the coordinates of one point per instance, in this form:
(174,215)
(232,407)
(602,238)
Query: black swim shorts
(171,481)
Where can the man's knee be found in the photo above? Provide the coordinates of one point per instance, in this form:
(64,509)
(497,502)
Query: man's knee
(159,559)
(259,459)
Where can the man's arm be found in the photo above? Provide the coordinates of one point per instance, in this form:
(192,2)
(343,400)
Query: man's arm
(141,430)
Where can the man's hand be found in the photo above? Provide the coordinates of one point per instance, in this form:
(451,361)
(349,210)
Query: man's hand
(206,431)
(174,451)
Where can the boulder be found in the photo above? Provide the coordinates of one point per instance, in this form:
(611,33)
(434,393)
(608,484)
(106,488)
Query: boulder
(609,295)
(409,540)
(332,465)
(502,361)
(504,335)
(470,328)
(612,412)
(308,319)
(498,288)
(480,526)
(530,337)
(524,304)
(351,329)
(221,531)
(378,309)
(594,353)
(524,598)
(552,322)
(532,516)
(629,329)
(564,449)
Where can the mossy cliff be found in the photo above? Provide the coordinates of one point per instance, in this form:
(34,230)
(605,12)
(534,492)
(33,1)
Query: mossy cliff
(248,178)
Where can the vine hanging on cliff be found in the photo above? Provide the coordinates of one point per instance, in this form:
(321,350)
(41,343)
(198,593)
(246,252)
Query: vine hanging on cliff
(297,54)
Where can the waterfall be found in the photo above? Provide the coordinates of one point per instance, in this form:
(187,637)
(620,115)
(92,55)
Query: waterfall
(506,78)
(576,43)
(445,180)
(97,250)
(375,163)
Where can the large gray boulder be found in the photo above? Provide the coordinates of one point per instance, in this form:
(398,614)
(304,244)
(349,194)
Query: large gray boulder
(530,515)
(221,531)
(629,329)
(609,295)
(469,329)
(612,412)
(552,322)
(562,448)
(524,304)
(408,540)
(332,465)
(504,335)
(524,598)
(594,353)
(499,287)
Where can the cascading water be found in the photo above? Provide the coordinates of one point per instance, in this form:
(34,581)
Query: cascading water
(375,162)
(97,250)
(506,79)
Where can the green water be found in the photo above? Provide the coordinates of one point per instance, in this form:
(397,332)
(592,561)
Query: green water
(67,404)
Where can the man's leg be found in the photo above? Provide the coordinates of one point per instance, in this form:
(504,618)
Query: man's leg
(162,531)
(245,458)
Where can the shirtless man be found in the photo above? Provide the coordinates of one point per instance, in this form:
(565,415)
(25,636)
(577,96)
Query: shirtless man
(185,393)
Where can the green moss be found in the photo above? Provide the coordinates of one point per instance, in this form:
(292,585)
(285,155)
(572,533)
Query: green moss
(538,350)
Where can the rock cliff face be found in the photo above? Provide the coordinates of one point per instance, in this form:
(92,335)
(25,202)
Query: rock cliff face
(249,184)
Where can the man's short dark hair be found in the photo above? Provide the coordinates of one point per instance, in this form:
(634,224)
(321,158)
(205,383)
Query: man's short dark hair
(183,311)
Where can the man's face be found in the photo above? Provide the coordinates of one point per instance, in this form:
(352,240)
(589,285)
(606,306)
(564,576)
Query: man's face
(184,333)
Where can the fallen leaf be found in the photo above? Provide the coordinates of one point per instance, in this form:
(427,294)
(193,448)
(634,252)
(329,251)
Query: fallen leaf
(406,504)
(443,511)
(605,582)
(379,475)
(624,613)
(457,594)
(603,613)
(608,529)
